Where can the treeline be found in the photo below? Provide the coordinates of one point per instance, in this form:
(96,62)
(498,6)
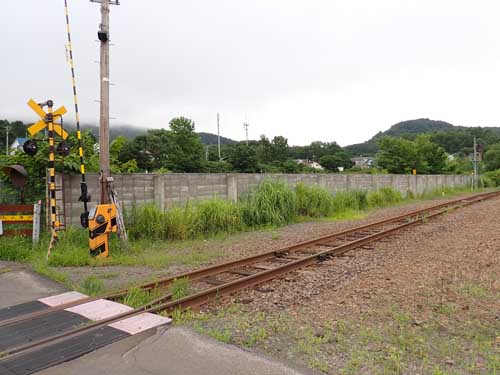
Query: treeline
(180,149)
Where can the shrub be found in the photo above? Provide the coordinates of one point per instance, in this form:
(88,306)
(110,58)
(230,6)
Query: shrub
(492,179)
(313,201)
(273,202)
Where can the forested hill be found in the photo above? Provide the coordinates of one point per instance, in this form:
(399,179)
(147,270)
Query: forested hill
(452,138)
(18,129)
(211,139)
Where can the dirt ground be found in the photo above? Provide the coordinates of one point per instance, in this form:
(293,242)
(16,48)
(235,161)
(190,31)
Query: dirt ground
(424,302)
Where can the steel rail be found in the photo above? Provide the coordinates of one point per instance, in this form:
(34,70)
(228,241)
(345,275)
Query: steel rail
(210,294)
(219,268)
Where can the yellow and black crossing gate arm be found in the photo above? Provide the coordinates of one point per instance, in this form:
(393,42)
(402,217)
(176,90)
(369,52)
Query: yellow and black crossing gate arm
(84,195)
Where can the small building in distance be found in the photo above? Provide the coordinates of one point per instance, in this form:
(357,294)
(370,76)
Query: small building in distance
(362,162)
(309,163)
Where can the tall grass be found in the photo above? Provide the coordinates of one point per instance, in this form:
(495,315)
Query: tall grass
(313,201)
(216,216)
(273,202)
(353,200)
(384,197)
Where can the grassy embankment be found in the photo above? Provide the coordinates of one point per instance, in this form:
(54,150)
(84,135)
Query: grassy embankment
(159,238)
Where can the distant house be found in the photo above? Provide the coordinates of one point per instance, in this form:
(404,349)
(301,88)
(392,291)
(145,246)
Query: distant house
(309,163)
(17,145)
(362,162)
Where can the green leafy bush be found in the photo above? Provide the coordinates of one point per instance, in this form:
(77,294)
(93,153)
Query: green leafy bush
(492,179)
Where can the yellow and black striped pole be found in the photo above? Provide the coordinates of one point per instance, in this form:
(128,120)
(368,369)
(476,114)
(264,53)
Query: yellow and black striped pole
(84,196)
(54,224)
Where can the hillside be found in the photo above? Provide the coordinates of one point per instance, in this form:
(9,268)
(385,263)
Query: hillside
(439,129)
(133,131)
(211,139)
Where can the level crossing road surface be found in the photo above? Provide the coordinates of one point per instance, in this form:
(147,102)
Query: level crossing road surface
(162,349)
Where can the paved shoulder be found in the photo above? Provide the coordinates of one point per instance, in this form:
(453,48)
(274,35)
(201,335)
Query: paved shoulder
(174,351)
(19,284)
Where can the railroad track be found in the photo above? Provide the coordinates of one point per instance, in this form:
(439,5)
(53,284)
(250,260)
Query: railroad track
(215,281)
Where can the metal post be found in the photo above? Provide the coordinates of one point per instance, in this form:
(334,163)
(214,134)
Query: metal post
(218,134)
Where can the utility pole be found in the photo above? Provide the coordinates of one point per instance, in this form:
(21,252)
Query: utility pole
(475,163)
(7,129)
(103,35)
(245,125)
(218,134)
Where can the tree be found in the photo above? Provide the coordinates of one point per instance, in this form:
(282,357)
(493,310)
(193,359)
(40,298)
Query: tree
(291,166)
(243,159)
(397,155)
(492,158)
(432,156)
(279,148)
(331,162)
(186,152)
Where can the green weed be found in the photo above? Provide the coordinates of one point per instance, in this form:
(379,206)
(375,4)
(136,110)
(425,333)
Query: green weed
(92,286)
(137,297)
(180,288)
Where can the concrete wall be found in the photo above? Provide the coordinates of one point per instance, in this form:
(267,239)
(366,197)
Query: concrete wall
(170,189)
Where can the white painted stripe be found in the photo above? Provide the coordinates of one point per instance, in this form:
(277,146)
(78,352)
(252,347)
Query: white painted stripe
(99,309)
(61,299)
(140,323)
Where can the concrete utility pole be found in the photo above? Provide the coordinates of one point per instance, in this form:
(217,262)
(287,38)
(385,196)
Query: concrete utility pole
(103,35)
(475,164)
(7,130)
(218,134)
(245,125)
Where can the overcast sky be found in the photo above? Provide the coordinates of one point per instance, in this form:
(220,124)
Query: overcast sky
(311,70)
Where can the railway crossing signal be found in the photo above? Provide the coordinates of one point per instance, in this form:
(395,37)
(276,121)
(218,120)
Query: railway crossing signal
(43,122)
